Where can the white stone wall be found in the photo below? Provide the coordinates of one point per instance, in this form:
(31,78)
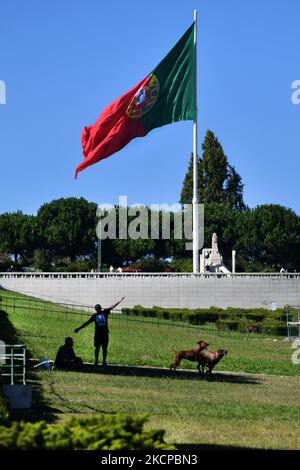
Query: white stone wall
(178,291)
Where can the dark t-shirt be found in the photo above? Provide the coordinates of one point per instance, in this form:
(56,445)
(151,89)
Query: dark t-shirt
(101,321)
(64,356)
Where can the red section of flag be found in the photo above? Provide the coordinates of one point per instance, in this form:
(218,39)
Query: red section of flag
(112,131)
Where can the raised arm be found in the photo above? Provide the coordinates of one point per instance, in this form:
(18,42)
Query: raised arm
(117,303)
(90,320)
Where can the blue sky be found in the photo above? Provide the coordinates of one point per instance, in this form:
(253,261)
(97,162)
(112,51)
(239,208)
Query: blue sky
(64,61)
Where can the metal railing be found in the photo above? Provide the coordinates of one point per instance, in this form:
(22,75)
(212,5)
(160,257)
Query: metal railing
(70,310)
(293,321)
(13,359)
(104,275)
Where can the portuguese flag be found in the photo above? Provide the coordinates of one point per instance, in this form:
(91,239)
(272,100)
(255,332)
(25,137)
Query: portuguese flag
(166,95)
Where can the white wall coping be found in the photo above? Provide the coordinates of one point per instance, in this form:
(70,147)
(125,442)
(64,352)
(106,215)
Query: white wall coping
(98,275)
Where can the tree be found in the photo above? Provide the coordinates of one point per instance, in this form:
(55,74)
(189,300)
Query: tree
(234,189)
(186,195)
(269,238)
(218,182)
(67,227)
(18,234)
(213,171)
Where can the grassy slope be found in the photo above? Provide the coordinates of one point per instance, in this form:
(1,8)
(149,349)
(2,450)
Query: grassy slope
(236,409)
(141,343)
(233,411)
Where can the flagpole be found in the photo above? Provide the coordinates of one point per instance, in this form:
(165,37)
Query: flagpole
(195,165)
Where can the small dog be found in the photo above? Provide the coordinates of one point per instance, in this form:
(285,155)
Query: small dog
(209,359)
(191,355)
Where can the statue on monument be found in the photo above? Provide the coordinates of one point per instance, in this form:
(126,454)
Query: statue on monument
(211,261)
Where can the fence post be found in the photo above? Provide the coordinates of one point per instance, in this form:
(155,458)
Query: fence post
(24,366)
(12,366)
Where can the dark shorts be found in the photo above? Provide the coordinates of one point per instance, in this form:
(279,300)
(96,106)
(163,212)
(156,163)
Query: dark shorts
(101,339)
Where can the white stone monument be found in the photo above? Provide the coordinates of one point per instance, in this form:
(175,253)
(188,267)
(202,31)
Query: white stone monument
(211,260)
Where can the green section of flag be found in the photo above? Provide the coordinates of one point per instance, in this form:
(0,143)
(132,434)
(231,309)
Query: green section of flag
(177,87)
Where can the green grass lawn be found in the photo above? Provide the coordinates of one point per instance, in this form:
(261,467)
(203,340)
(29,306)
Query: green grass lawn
(135,342)
(236,408)
(229,410)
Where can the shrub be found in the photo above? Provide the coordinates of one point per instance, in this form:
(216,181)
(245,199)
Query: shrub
(76,266)
(230,325)
(126,311)
(4,415)
(118,432)
(258,320)
(272,327)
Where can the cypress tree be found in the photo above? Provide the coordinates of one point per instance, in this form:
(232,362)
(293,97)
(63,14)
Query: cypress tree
(219,182)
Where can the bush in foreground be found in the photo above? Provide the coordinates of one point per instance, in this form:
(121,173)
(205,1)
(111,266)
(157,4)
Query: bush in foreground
(117,432)
(4,415)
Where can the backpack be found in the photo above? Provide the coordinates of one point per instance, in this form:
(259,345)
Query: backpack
(100,320)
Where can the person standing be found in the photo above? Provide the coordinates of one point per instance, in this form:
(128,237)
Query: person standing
(101,338)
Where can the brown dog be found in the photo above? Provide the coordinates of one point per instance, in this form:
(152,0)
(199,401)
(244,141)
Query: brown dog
(209,359)
(191,355)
